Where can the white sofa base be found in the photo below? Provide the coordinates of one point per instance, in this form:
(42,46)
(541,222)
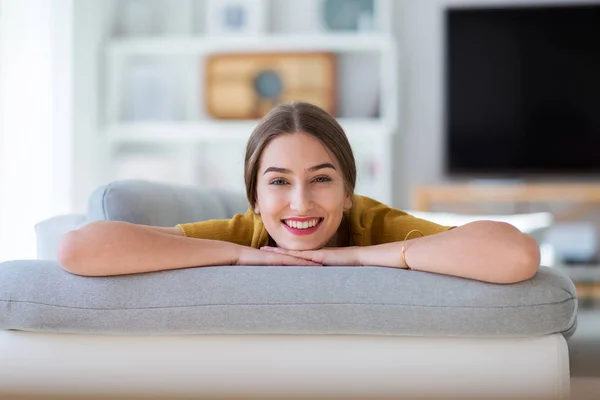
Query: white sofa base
(283,366)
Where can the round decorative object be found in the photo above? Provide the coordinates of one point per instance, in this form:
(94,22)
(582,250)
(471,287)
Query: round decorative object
(348,15)
(268,84)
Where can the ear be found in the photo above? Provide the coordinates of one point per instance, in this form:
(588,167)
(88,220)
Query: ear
(256,209)
(348,203)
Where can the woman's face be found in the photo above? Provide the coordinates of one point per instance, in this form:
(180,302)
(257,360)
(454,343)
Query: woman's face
(300,192)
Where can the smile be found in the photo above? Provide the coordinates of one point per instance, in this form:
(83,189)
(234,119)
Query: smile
(302,227)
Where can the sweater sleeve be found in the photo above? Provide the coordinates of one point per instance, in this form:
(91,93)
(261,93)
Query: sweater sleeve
(378,224)
(239,229)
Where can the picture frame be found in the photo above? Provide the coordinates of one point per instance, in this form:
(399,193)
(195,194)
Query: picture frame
(235,17)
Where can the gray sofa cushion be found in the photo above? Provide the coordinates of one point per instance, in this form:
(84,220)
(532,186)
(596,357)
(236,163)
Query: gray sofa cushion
(160,204)
(40,296)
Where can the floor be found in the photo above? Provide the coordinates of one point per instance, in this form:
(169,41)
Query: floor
(584,354)
(584,345)
(585,388)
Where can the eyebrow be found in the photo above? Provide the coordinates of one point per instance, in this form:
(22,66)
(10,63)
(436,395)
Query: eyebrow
(289,171)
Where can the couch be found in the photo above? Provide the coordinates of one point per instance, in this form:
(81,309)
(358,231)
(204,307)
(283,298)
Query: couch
(241,332)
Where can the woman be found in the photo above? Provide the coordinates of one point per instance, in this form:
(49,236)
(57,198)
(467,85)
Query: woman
(300,176)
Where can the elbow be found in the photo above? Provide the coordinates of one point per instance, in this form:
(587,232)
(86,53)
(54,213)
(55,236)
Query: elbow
(71,253)
(526,259)
(530,257)
(517,254)
(67,253)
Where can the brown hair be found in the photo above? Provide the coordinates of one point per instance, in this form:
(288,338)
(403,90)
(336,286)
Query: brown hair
(294,117)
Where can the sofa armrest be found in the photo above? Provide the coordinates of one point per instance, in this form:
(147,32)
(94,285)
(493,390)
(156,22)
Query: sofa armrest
(49,232)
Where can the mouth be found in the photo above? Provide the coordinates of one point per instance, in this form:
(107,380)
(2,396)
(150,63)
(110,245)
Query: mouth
(305,227)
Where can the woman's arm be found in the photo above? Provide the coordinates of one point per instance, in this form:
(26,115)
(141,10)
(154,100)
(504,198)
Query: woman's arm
(484,250)
(488,251)
(116,248)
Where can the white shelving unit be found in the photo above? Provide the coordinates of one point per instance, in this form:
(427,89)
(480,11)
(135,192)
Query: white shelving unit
(185,145)
(215,130)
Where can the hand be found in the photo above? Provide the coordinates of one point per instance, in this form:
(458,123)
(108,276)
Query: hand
(345,256)
(251,256)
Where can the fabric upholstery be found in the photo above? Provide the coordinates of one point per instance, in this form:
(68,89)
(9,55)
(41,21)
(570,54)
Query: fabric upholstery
(160,204)
(41,296)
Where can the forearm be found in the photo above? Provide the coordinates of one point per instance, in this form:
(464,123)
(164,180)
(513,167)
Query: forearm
(115,248)
(483,250)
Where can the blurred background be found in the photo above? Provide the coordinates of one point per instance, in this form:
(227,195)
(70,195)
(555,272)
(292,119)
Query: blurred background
(478,108)
(454,108)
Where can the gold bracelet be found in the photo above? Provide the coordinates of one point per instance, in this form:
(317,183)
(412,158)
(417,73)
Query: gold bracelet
(404,248)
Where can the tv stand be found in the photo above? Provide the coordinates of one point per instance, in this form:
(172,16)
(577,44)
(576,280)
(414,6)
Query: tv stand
(584,196)
(496,181)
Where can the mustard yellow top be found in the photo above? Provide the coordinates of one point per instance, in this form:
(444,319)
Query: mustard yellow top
(370,223)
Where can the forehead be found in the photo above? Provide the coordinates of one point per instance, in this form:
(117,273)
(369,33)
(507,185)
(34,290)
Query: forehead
(295,149)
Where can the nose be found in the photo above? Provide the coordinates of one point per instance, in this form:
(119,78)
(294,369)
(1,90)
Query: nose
(301,200)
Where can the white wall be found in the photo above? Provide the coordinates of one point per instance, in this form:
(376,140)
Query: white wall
(34,119)
(419,34)
(92,29)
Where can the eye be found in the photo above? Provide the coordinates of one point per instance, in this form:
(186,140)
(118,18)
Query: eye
(322,179)
(278,181)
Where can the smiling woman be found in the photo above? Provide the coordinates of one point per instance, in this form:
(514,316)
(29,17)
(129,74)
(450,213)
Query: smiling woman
(300,177)
(301,205)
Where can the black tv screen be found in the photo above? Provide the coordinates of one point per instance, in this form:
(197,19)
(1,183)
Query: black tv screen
(522,90)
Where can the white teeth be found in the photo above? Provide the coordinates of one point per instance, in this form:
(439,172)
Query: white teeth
(301,225)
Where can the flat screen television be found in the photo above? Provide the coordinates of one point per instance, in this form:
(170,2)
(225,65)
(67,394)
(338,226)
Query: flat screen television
(522,91)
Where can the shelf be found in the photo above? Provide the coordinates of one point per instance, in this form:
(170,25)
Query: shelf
(215,131)
(267,43)
(179,132)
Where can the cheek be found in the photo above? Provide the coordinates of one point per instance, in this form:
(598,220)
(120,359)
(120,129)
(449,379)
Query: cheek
(331,200)
(270,201)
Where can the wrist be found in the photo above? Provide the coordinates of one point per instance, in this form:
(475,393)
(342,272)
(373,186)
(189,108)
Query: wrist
(380,255)
(403,249)
(361,255)
(236,251)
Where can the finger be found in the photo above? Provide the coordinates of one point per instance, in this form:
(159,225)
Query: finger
(305,254)
(268,248)
(302,254)
(274,249)
(289,260)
